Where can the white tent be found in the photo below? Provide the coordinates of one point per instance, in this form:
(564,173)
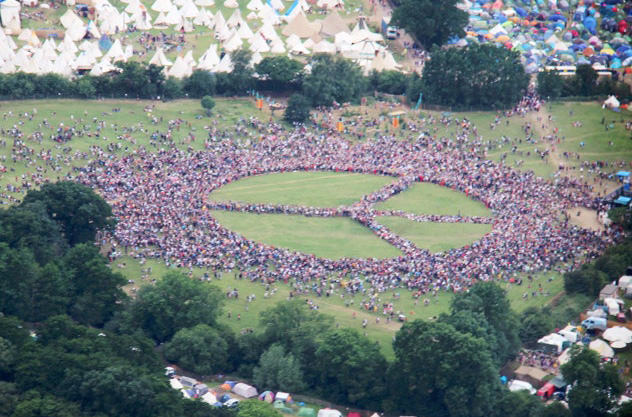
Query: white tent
(255,5)
(333,24)
(277,4)
(160,59)
(330,4)
(115,53)
(384,61)
(277,46)
(204,3)
(329,412)
(189,10)
(231,4)
(175,384)
(244,31)
(70,19)
(210,59)
(225,65)
(233,43)
(209,398)
(256,58)
(84,61)
(602,348)
(10,13)
(28,36)
(161,20)
(324,47)
(173,16)
(611,103)
(180,69)
(258,44)
(235,19)
(618,333)
(268,15)
(103,67)
(245,390)
(162,6)
(204,18)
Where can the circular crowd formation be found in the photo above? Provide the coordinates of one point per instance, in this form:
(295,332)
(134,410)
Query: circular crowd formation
(161,201)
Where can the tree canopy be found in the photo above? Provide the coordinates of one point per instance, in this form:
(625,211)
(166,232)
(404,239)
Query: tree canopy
(431,22)
(477,76)
(279,370)
(279,73)
(333,78)
(298,108)
(201,349)
(175,302)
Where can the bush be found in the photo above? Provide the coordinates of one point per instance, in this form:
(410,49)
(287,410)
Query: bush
(298,108)
(207,103)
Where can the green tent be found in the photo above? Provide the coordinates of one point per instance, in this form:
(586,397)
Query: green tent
(306,412)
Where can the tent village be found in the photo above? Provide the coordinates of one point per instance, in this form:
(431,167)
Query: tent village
(94,35)
(605,329)
(229,393)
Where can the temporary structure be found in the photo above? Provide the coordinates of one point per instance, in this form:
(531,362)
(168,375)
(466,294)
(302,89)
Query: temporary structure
(180,69)
(231,4)
(245,390)
(10,14)
(301,27)
(160,59)
(209,60)
(602,348)
(235,19)
(324,47)
(333,24)
(618,333)
(255,5)
(225,64)
(233,43)
(162,6)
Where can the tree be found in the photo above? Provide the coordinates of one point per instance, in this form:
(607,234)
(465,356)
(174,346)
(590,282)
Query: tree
(585,280)
(351,369)
(431,22)
(256,408)
(95,288)
(200,349)
(298,108)
(280,73)
(240,79)
(479,76)
(207,103)
(297,328)
(556,409)
(439,371)
(534,323)
(488,299)
(333,78)
(279,370)
(586,79)
(550,84)
(175,302)
(78,210)
(621,216)
(390,82)
(518,404)
(37,405)
(595,388)
(201,83)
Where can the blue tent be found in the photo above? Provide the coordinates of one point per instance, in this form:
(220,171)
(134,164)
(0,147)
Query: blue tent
(624,201)
(623,174)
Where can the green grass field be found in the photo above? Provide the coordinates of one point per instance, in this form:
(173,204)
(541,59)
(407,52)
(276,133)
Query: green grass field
(436,237)
(226,115)
(327,237)
(313,189)
(426,198)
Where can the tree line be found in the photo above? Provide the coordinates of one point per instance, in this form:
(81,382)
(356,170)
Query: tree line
(584,83)
(94,351)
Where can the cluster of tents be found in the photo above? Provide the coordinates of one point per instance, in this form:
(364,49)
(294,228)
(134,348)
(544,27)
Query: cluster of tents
(553,32)
(95,45)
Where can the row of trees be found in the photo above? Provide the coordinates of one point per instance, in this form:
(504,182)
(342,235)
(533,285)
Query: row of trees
(584,83)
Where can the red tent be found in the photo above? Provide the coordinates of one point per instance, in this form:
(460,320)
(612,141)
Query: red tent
(353,414)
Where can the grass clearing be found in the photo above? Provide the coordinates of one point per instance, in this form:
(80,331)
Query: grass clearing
(314,189)
(436,237)
(427,198)
(326,237)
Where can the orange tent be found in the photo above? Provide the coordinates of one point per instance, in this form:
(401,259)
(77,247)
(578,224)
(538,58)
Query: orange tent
(588,51)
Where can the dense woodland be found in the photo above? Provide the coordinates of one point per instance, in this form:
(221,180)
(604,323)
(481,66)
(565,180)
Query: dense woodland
(72,343)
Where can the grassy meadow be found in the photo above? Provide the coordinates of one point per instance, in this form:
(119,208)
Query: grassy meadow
(126,123)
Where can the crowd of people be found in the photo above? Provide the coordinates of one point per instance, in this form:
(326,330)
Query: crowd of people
(161,200)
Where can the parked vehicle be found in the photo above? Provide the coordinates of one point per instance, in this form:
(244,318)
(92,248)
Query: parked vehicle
(595,323)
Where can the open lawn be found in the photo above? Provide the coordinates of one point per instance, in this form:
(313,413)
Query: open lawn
(427,198)
(436,237)
(130,127)
(326,237)
(314,189)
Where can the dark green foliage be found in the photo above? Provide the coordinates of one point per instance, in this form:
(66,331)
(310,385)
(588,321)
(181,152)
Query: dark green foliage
(200,349)
(478,76)
(621,216)
(431,22)
(76,208)
(550,84)
(240,80)
(518,404)
(199,84)
(534,323)
(489,300)
(207,103)
(279,73)
(175,302)
(390,82)
(595,387)
(278,370)
(333,78)
(350,368)
(298,108)
(439,371)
